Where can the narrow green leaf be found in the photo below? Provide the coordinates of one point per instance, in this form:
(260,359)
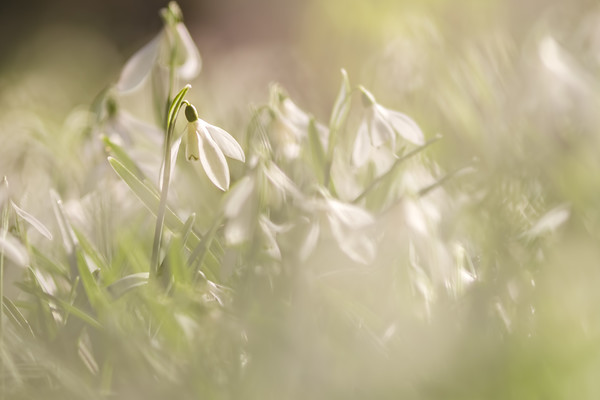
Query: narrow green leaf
(317,153)
(32,221)
(92,290)
(13,313)
(341,107)
(120,153)
(175,105)
(150,199)
(127,283)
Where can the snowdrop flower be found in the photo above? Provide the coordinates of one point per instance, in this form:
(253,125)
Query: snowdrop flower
(210,145)
(291,125)
(173,45)
(349,225)
(380,126)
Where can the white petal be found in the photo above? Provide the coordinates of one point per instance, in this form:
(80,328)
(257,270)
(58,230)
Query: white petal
(356,245)
(294,114)
(269,230)
(281,181)
(404,126)
(362,145)
(137,69)
(228,145)
(380,128)
(239,229)
(213,161)
(350,215)
(192,62)
(309,242)
(238,196)
(192,142)
(550,221)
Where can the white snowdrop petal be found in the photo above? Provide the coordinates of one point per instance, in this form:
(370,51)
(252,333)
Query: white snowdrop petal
(269,231)
(379,128)
(362,146)
(228,145)
(356,245)
(294,114)
(213,161)
(550,221)
(239,196)
(350,215)
(239,229)
(192,63)
(137,69)
(309,241)
(404,126)
(281,181)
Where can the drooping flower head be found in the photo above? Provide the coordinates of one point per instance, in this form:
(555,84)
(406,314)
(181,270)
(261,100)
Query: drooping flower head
(382,125)
(173,46)
(210,144)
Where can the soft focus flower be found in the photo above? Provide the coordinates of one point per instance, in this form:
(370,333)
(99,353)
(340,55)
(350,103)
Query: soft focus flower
(380,126)
(348,224)
(291,125)
(173,45)
(210,145)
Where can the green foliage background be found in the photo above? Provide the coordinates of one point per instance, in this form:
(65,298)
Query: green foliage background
(513,89)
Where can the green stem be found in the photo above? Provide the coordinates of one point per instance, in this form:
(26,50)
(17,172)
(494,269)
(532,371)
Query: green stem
(399,161)
(166,171)
(162,206)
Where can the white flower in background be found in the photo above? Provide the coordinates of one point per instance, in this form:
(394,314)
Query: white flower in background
(380,126)
(173,44)
(349,225)
(210,145)
(292,125)
(266,186)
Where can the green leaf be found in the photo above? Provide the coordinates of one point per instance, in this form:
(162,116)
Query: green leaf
(127,283)
(174,108)
(341,107)
(317,153)
(150,199)
(13,313)
(32,221)
(120,153)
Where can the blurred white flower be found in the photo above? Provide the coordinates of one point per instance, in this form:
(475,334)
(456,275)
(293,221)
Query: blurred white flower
(210,145)
(291,125)
(266,186)
(173,45)
(349,226)
(381,125)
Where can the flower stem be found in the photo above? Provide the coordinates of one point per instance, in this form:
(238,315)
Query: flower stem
(172,113)
(389,172)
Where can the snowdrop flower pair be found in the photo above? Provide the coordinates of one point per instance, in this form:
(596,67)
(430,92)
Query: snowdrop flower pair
(210,144)
(380,126)
(172,47)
